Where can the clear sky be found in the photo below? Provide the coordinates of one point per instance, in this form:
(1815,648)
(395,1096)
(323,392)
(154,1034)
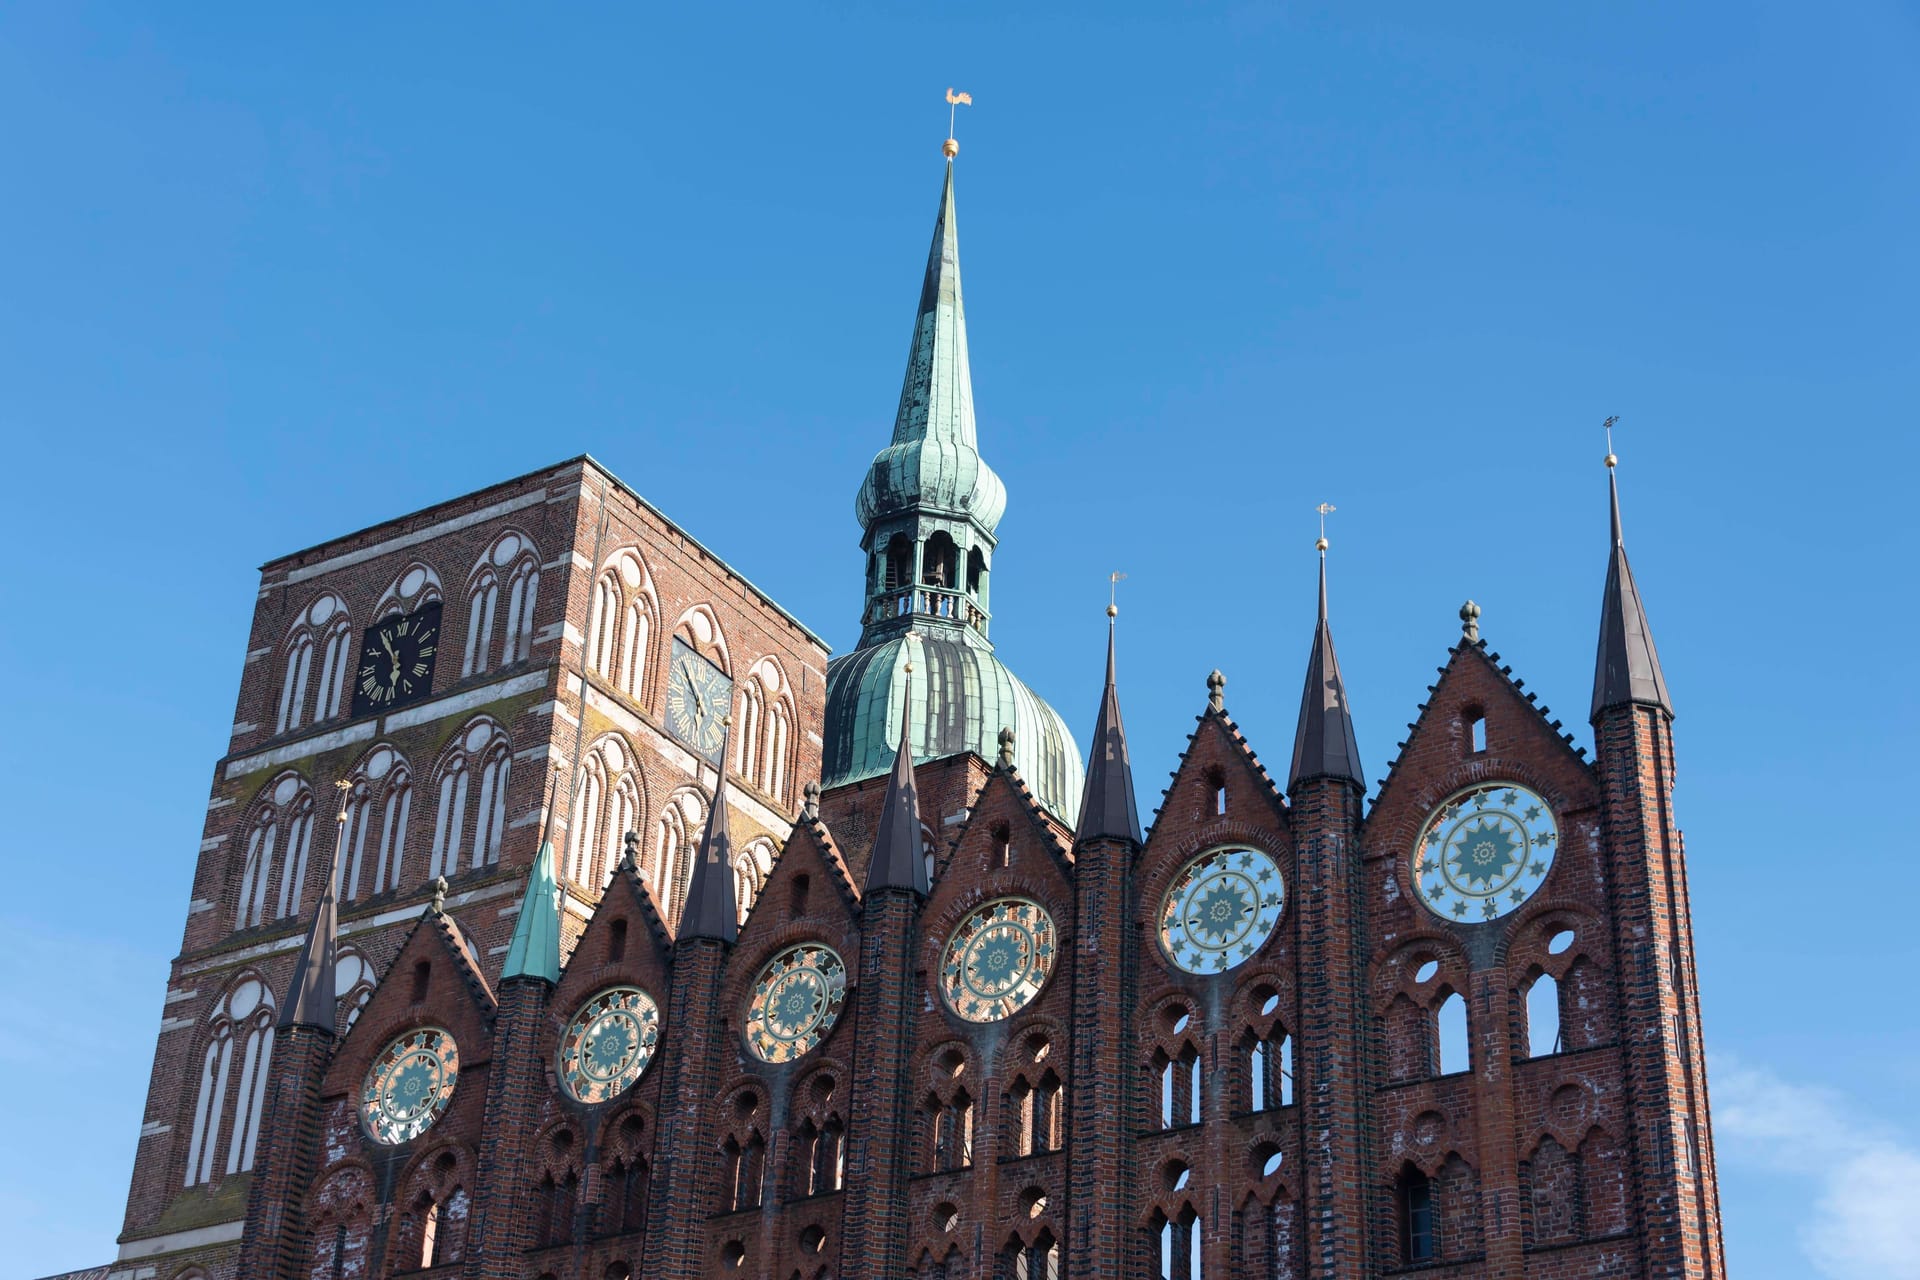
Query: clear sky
(271,276)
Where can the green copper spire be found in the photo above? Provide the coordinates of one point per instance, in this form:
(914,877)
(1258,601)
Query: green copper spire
(535,949)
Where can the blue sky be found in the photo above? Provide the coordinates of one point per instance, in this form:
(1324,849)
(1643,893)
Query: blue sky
(272,276)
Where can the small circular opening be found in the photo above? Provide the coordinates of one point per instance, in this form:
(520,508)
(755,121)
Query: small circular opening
(1560,941)
(813,1240)
(945,1216)
(1267,1159)
(1177,1174)
(1426,971)
(951,1063)
(734,1255)
(1034,1200)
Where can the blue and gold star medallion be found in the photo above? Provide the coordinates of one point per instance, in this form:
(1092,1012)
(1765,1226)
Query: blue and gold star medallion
(998,959)
(1221,909)
(409,1085)
(609,1043)
(795,1002)
(1484,852)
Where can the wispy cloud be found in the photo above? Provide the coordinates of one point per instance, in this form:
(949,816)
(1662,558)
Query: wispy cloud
(1864,1221)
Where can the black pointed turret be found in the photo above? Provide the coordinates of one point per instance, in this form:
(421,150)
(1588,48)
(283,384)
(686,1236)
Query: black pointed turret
(1323,744)
(711,911)
(1107,806)
(1626,670)
(899,861)
(310,996)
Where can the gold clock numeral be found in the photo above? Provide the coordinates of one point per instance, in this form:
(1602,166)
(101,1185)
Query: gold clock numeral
(426,651)
(419,668)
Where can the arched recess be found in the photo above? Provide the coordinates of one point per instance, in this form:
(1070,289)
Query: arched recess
(751,867)
(503,588)
(373,838)
(317,654)
(676,839)
(699,628)
(608,802)
(470,798)
(620,625)
(273,865)
(234,1067)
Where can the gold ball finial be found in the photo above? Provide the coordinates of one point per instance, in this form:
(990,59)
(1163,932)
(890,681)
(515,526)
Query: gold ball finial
(949,148)
(1113,611)
(1320,543)
(1613,460)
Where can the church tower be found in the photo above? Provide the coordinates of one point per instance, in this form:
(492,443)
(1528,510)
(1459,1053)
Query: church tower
(929,508)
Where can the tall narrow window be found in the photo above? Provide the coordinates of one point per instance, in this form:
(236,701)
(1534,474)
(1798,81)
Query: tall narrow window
(604,624)
(635,634)
(1178,1244)
(1543,1017)
(1476,732)
(483,599)
(336,653)
(1450,1039)
(450,818)
(588,792)
(210,1106)
(293,686)
(778,719)
(493,806)
(393,832)
(749,748)
(1270,1071)
(257,871)
(1416,1217)
(522,595)
(429,1235)
(293,873)
(1180,1088)
(251,1096)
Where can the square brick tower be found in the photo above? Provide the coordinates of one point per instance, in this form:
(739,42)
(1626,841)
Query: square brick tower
(558,632)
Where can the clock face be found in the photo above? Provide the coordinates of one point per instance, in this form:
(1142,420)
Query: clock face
(1220,909)
(396,661)
(795,1002)
(609,1044)
(699,696)
(998,959)
(409,1085)
(1484,852)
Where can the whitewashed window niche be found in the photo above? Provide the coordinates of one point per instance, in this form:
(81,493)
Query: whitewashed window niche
(275,866)
(674,849)
(620,628)
(606,805)
(373,841)
(319,649)
(504,587)
(472,784)
(232,1089)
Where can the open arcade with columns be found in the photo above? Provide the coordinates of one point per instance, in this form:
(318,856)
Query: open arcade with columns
(564,912)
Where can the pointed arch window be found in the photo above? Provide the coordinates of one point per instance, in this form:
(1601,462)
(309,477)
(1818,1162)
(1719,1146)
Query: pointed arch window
(323,631)
(620,625)
(1415,1206)
(589,795)
(250,1095)
(1269,1070)
(679,832)
(478,763)
(749,748)
(483,598)
(394,815)
(779,731)
(281,831)
(210,1104)
(509,569)
(230,1097)
(1177,1244)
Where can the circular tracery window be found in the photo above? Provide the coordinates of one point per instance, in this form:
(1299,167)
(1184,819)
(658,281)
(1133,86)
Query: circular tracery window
(998,959)
(409,1085)
(1483,852)
(609,1043)
(1220,909)
(795,1002)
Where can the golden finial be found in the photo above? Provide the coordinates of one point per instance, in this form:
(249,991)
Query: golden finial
(1612,460)
(955,101)
(1325,509)
(912,636)
(1113,593)
(346,791)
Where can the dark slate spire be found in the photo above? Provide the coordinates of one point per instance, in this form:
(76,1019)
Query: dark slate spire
(1626,669)
(535,949)
(711,911)
(1107,806)
(310,998)
(1323,744)
(899,859)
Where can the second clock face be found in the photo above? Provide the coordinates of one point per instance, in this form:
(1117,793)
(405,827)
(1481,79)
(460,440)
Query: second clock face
(409,1085)
(1483,852)
(1220,909)
(998,959)
(795,1002)
(396,661)
(609,1044)
(699,696)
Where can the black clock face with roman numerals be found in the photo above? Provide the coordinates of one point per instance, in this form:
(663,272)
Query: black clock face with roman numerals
(396,661)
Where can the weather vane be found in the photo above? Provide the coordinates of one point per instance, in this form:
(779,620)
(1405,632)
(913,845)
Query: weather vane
(1607,426)
(1325,509)
(954,102)
(1113,592)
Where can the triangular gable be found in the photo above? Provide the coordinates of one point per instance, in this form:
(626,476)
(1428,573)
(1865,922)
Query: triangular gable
(1217,743)
(1518,726)
(829,913)
(643,960)
(974,852)
(456,997)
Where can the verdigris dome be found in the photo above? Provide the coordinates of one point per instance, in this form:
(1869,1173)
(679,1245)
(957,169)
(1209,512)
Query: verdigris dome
(962,697)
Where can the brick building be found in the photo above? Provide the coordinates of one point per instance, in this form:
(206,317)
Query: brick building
(563,912)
